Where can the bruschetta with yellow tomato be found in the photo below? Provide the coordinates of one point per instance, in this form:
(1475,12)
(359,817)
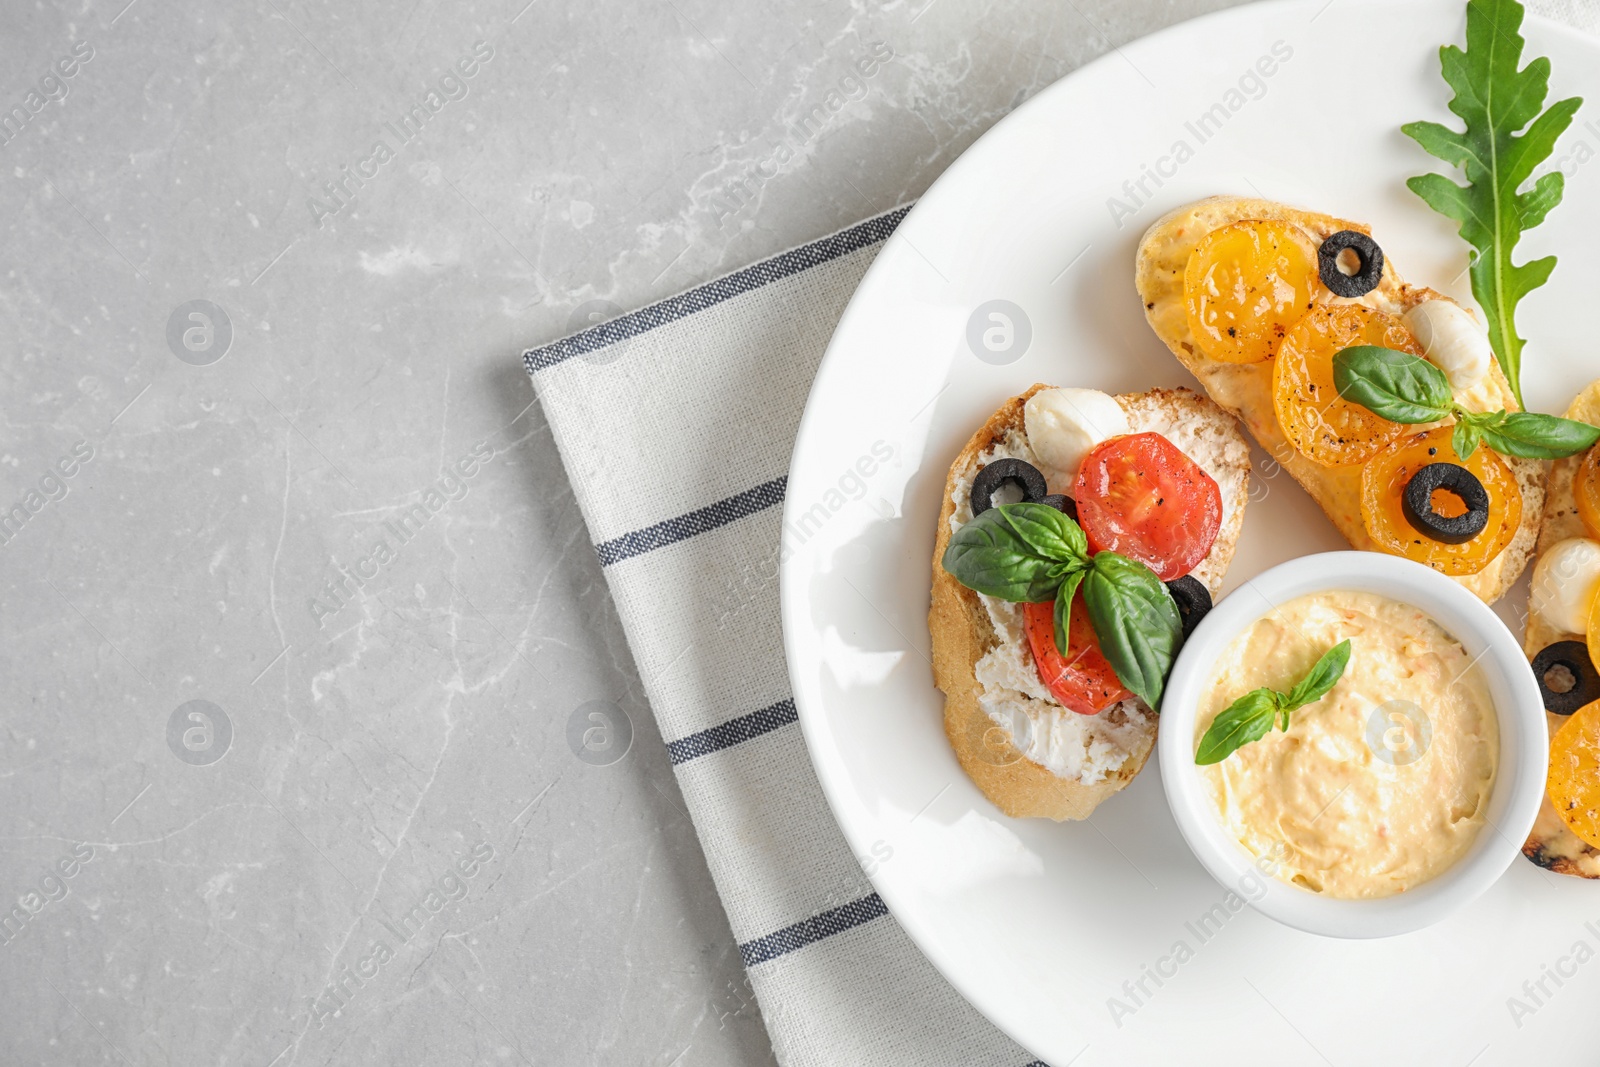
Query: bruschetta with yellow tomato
(1351,379)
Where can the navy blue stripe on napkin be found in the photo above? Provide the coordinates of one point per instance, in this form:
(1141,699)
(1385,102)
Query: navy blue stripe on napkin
(733,732)
(715,292)
(809,931)
(695,522)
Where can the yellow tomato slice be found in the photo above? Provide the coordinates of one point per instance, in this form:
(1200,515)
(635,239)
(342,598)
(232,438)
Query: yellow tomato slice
(1246,283)
(1383,483)
(1574,781)
(1321,425)
(1586,489)
(1592,634)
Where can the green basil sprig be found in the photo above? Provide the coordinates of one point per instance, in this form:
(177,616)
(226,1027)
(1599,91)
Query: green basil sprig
(1033,554)
(1401,387)
(1019,552)
(1251,717)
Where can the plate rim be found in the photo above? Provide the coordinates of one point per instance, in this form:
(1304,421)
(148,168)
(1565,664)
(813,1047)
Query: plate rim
(834,786)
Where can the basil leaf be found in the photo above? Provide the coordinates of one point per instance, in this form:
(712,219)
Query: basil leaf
(1324,674)
(1063,616)
(1394,385)
(1532,435)
(1507,133)
(1136,621)
(988,555)
(1464,437)
(1049,532)
(1251,717)
(1245,720)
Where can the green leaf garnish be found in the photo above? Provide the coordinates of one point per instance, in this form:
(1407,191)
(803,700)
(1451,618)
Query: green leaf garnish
(1401,387)
(1018,552)
(1531,435)
(1046,530)
(1063,616)
(1251,717)
(1464,439)
(1397,386)
(1323,676)
(1032,553)
(1495,100)
(1245,720)
(1136,620)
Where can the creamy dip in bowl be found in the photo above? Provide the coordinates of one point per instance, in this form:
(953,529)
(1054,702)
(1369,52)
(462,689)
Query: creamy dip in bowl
(1394,799)
(1381,784)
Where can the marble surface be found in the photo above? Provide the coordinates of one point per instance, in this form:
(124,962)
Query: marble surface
(297,606)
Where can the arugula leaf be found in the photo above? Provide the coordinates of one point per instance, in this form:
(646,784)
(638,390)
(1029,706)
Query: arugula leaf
(1495,100)
(1136,621)
(1063,616)
(1397,386)
(1016,552)
(1529,434)
(1251,717)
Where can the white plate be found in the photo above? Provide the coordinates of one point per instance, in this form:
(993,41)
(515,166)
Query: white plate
(1040,924)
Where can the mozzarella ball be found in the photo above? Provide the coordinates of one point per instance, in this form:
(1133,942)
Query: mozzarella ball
(1064,424)
(1453,341)
(1564,582)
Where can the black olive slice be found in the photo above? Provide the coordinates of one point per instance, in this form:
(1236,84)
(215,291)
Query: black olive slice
(1193,600)
(1574,657)
(1064,504)
(1417,502)
(1023,475)
(1369,255)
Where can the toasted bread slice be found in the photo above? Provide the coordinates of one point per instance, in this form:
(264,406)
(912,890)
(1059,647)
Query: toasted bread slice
(963,632)
(1245,389)
(1551,845)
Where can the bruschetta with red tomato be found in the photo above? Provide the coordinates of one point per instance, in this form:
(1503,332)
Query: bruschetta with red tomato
(1082,535)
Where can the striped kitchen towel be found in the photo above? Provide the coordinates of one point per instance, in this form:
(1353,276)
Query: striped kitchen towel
(675,424)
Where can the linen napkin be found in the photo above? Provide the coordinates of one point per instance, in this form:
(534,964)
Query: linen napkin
(675,423)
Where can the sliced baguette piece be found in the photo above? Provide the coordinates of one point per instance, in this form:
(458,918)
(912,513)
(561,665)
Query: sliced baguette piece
(962,631)
(1551,845)
(1245,389)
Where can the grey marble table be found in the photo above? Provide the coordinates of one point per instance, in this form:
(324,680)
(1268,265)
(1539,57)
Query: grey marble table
(297,606)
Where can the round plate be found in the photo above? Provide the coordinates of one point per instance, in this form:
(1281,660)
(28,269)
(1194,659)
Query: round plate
(1108,934)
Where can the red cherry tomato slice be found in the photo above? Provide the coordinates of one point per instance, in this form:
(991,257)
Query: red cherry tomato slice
(1140,496)
(1082,680)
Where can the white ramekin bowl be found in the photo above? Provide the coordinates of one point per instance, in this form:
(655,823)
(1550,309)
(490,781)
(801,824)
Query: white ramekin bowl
(1524,745)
